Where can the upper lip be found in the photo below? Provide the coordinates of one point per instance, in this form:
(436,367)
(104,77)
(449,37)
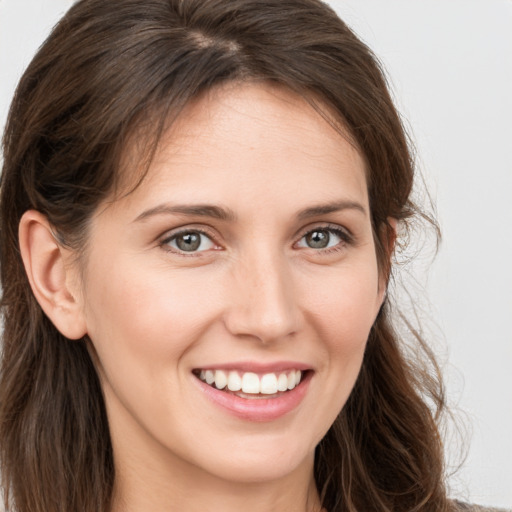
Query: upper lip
(258,367)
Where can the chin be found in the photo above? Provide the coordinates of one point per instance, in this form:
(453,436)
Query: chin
(260,460)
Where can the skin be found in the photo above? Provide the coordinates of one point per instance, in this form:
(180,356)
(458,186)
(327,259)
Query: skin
(254,292)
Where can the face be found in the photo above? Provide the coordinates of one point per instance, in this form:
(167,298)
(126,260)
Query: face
(230,296)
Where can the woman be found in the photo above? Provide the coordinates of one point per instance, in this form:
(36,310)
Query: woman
(199,207)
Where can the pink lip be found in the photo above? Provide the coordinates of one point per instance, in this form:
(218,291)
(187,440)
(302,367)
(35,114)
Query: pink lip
(281,366)
(261,409)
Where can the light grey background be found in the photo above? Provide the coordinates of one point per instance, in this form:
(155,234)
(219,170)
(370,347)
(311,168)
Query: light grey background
(450,67)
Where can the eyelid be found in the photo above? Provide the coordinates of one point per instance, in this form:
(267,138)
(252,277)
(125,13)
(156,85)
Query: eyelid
(344,233)
(163,240)
(337,228)
(347,238)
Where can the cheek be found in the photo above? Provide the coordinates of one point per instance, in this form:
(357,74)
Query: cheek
(341,307)
(140,318)
(346,306)
(343,314)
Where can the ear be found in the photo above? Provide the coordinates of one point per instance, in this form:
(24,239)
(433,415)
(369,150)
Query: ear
(388,240)
(52,277)
(390,236)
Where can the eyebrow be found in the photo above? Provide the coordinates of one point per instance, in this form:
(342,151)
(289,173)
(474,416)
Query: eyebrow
(333,207)
(192,210)
(226,214)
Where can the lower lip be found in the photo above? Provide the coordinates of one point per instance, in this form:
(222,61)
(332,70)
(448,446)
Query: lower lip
(257,409)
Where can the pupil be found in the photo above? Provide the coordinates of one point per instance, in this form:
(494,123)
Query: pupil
(189,242)
(318,239)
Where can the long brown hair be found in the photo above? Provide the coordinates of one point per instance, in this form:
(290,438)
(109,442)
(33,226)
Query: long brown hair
(118,67)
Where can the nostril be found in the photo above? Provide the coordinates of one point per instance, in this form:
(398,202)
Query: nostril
(266,326)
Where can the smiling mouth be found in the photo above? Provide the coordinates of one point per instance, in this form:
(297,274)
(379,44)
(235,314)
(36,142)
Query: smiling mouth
(251,385)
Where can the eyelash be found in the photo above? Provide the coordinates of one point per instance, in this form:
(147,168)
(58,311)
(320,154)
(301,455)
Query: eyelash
(168,239)
(345,239)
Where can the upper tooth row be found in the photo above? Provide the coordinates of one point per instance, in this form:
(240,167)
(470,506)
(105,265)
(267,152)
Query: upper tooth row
(249,382)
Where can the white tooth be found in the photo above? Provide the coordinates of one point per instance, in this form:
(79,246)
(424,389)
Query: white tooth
(291,380)
(282,382)
(202,375)
(268,384)
(250,383)
(234,381)
(298,375)
(221,379)
(209,376)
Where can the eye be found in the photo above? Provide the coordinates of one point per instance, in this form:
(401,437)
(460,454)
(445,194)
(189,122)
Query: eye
(189,241)
(323,238)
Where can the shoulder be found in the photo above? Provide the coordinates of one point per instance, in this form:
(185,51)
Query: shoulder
(467,507)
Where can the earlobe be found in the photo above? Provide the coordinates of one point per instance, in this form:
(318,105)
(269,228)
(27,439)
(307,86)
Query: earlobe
(50,278)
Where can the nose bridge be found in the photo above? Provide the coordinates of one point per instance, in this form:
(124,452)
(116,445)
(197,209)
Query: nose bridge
(264,305)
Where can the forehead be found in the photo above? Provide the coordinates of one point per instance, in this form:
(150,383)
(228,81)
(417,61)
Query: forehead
(253,139)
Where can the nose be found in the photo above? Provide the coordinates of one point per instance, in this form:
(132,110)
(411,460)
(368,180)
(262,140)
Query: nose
(263,304)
